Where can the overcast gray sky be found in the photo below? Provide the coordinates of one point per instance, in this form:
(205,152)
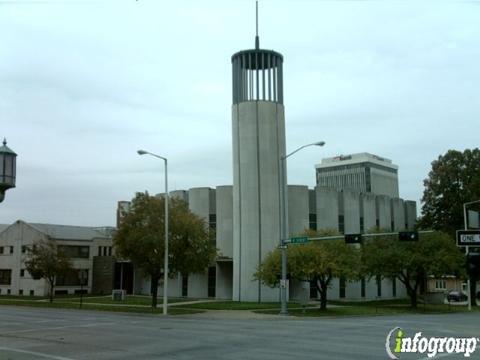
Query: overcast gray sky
(84,84)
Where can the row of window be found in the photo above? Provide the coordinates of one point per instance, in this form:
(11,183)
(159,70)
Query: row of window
(341,223)
(104,251)
(72,251)
(343,287)
(6,250)
(20,292)
(75,277)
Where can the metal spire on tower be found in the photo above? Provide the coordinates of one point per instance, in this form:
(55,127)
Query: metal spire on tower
(257,39)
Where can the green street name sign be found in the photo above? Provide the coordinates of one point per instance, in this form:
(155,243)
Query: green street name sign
(299,240)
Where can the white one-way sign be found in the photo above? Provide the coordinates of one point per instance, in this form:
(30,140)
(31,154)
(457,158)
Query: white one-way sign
(468,238)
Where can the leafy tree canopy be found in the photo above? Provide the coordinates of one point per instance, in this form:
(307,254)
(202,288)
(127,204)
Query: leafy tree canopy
(434,254)
(318,261)
(44,260)
(141,238)
(453,181)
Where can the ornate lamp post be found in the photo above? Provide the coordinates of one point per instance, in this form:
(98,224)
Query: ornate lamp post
(8,169)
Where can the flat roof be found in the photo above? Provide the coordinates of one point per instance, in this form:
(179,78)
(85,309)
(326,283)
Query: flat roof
(352,159)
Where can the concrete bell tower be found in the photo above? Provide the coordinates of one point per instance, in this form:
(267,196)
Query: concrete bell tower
(258,124)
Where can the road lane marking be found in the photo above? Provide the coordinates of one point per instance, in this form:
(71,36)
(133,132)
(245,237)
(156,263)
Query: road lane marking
(56,328)
(35,353)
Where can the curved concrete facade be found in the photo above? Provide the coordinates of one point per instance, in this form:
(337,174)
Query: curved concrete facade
(258,141)
(298,208)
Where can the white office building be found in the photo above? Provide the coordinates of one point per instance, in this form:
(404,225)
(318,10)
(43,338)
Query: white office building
(363,172)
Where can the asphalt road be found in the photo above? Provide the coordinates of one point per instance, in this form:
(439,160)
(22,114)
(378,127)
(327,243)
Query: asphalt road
(34,333)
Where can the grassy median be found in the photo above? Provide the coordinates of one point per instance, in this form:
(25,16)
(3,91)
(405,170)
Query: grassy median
(132,304)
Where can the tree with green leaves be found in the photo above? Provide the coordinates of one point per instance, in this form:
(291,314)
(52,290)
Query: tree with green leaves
(412,262)
(316,261)
(45,261)
(453,181)
(141,239)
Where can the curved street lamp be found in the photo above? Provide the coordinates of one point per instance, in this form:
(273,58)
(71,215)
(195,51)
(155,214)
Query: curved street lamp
(165,261)
(8,169)
(284,233)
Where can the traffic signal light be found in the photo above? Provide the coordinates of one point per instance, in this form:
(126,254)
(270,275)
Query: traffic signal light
(353,238)
(408,236)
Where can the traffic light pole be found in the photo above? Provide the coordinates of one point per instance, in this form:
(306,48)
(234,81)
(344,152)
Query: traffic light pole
(467,251)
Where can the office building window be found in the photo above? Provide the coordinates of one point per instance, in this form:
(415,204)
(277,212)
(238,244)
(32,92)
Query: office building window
(362,225)
(9,291)
(363,287)
(394,287)
(32,293)
(379,286)
(312,219)
(342,287)
(104,251)
(109,251)
(99,251)
(72,278)
(22,272)
(1,250)
(212,221)
(392,225)
(341,224)
(185,285)
(5,277)
(74,251)
(11,249)
(24,249)
(20,292)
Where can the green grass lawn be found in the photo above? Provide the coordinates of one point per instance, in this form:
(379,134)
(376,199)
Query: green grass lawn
(370,308)
(236,305)
(73,303)
(129,300)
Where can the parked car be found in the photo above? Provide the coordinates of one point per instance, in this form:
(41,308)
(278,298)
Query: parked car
(456,296)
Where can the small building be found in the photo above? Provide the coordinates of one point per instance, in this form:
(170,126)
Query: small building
(83,244)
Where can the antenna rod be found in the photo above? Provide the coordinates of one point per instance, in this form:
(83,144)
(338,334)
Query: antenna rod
(257,39)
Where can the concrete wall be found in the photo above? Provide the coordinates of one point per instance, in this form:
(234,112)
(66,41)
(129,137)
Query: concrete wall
(327,208)
(223,281)
(298,208)
(18,235)
(350,204)
(383,212)
(258,140)
(410,214)
(384,183)
(199,202)
(368,211)
(179,194)
(398,214)
(224,211)
(198,285)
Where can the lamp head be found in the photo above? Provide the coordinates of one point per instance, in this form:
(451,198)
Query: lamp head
(320,143)
(141,152)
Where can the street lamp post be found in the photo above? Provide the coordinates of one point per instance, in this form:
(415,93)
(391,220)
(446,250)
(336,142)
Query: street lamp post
(467,250)
(165,269)
(284,232)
